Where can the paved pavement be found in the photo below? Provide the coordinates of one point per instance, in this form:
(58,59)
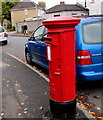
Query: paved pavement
(14,33)
(23,92)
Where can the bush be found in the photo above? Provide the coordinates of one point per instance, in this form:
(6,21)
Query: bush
(9,26)
(13,28)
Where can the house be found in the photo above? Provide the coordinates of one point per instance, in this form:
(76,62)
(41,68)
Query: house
(66,10)
(96,7)
(24,10)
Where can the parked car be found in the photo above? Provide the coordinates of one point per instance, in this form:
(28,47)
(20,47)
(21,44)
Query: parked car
(89,48)
(3,35)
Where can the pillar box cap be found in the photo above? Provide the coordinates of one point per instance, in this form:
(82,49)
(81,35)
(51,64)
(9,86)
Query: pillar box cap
(61,21)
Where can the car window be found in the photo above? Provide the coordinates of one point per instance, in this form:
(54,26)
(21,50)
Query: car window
(38,34)
(92,32)
(2,29)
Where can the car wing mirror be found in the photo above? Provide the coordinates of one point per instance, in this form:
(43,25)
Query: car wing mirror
(31,39)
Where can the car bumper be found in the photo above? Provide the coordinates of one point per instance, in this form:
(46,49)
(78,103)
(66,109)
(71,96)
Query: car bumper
(87,73)
(2,40)
(90,76)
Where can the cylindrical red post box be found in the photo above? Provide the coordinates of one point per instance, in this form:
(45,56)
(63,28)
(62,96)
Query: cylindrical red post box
(62,72)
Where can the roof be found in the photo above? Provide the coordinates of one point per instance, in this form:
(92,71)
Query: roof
(24,5)
(88,19)
(66,7)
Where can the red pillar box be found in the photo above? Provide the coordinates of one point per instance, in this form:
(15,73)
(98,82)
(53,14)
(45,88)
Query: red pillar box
(61,56)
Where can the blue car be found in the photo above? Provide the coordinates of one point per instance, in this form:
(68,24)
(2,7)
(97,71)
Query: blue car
(89,48)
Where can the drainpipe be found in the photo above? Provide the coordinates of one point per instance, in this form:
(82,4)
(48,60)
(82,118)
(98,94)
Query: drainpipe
(85,3)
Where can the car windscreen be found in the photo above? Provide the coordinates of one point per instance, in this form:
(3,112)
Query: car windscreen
(93,32)
(2,29)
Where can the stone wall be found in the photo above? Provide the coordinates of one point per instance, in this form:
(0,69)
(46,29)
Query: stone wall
(31,25)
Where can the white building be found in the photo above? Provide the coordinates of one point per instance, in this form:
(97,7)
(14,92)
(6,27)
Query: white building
(95,6)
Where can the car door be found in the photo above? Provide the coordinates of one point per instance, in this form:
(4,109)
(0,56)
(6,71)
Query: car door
(89,41)
(43,54)
(94,42)
(42,47)
(35,44)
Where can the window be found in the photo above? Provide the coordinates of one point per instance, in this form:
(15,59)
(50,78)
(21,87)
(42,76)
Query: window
(57,15)
(26,12)
(38,34)
(92,33)
(2,29)
(74,14)
(82,14)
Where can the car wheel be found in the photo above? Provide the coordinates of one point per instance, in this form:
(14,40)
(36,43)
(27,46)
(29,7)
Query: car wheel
(5,42)
(28,58)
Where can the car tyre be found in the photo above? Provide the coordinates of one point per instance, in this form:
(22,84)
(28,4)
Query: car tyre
(28,58)
(6,42)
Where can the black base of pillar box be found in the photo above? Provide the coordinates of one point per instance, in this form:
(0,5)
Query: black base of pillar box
(63,110)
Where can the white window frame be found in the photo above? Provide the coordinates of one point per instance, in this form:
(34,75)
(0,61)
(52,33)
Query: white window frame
(74,14)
